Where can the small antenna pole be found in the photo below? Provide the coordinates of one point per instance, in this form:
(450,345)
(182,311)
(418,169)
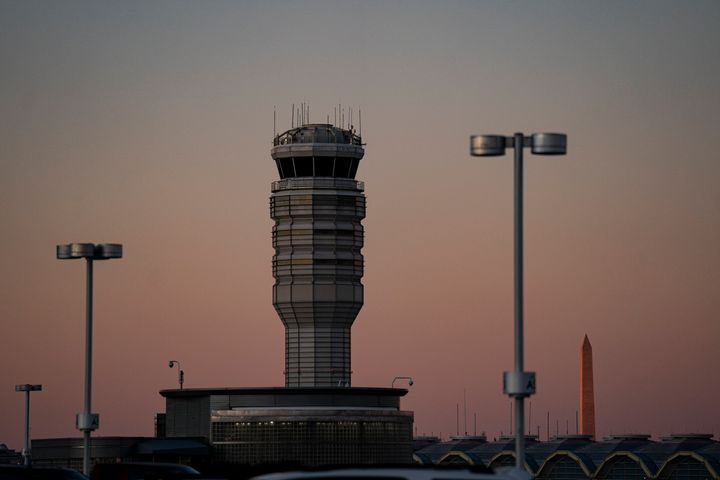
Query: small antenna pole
(465,411)
(274,127)
(360,114)
(335,116)
(292,118)
(457,419)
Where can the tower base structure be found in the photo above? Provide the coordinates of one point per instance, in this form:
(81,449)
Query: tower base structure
(302,426)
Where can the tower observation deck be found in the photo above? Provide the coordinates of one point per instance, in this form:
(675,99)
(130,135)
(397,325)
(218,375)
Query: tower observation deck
(317,206)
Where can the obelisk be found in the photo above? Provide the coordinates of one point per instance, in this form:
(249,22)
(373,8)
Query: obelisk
(587,392)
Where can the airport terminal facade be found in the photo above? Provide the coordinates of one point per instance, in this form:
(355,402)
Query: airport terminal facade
(309,426)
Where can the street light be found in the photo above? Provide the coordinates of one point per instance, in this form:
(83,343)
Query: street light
(181,374)
(27,388)
(519,384)
(409,379)
(86,422)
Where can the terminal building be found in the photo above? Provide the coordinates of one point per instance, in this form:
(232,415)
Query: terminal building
(565,457)
(578,457)
(308,426)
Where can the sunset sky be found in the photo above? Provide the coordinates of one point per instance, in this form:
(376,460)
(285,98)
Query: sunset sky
(149,123)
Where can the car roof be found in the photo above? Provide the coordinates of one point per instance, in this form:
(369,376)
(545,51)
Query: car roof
(395,473)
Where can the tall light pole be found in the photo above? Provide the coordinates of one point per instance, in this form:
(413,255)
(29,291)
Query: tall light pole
(519,384)
(181,374)
(86,422)
(27,388)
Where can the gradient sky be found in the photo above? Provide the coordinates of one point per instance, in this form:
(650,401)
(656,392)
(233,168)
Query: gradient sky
(149,124)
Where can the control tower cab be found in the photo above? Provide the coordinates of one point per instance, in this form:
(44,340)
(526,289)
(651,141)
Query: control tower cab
(317,150)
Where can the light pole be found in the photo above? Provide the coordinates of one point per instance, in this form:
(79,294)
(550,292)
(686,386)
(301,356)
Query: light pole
(86,422)
(519,384)
(27,388)
(181,374)
(409,379)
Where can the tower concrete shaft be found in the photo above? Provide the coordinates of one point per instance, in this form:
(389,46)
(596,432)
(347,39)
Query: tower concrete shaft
(587,391)
(317,207)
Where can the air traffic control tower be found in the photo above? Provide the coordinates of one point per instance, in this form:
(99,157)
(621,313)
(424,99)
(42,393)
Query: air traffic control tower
(317,206)
(317,418)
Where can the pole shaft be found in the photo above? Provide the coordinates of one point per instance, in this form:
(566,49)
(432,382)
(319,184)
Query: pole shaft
(519,299)
(26,453)
(511,418)
(519,294)
(86,453)
(88,362)
(519,434)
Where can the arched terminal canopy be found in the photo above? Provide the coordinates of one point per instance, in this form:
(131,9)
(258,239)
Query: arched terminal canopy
(317,150)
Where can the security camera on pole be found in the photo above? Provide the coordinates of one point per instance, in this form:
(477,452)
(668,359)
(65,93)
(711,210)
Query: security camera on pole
(409,381)
(181,374)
